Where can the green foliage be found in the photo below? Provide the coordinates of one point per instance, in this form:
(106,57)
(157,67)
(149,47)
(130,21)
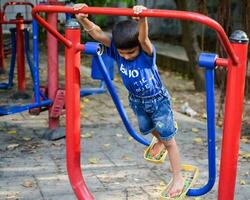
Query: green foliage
(99,19)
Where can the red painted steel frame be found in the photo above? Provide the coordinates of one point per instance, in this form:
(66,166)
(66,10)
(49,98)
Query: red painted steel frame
(20,55)
(53,68)
(234,98)
(232,122)
(72,60)
(170,14)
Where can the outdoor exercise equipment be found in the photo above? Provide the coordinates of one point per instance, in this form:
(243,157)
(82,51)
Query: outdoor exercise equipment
(207,61)
(236,50)
(54,93)
(19,22)
(40,100)
(9,84)
(13,32)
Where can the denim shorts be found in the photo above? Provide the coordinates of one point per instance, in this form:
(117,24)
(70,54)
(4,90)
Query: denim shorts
(154,113)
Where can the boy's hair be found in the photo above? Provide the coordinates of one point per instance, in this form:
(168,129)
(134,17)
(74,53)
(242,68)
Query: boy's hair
(125,34)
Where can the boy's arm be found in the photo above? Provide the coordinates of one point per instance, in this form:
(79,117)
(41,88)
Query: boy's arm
(95,32)
(143,31)
(91,28)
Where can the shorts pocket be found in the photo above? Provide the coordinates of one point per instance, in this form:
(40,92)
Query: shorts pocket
(151,106)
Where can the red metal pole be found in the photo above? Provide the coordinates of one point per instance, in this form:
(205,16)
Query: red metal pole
(73,151)
(2,67)
(53,68)
(20,55)
(233,116)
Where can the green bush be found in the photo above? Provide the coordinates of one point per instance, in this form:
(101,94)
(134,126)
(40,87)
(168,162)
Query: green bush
(100,19)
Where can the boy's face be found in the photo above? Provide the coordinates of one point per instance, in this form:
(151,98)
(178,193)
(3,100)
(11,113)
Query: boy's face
(129,54)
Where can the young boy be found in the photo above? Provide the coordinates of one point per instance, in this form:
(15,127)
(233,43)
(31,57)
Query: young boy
(136,58)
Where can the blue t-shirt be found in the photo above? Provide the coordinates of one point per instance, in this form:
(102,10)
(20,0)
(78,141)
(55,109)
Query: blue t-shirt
(140,76)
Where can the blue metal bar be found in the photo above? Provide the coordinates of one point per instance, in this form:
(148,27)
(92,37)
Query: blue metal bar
(12,61)
(209,63)
(36,61)
(27,52)
(68,16)
(118,104)
(7,110)
(91,91)
(13,56)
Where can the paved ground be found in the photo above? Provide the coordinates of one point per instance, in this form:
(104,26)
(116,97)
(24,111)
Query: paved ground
(113,165)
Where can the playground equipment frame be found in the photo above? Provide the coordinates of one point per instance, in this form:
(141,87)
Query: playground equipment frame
(235,63)
(19,22)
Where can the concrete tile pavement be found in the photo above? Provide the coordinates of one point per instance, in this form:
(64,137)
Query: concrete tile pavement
(112,163)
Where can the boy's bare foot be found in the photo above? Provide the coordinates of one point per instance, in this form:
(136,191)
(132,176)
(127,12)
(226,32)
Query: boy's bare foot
(176,186)
(157,148)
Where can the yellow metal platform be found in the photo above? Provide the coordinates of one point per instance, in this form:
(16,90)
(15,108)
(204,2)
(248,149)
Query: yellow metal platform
(159,158)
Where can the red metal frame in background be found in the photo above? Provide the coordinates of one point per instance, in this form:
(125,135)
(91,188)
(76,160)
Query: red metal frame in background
(236,63)
(72,80)
(19,21)
(53,67)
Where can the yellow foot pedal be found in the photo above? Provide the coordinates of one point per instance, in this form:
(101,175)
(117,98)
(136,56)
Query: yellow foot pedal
(159,158)
(190,174)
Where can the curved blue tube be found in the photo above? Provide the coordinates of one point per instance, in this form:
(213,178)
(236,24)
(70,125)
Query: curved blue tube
(210,136)
(118,105)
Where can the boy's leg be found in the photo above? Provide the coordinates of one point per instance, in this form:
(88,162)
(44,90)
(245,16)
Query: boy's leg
(159,145)
(174,158)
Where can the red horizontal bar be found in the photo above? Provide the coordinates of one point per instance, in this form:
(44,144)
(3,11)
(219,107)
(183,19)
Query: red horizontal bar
(170,14)
(223,62)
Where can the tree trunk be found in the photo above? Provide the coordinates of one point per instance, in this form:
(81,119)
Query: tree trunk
(224,18)
(246,27)
(190,43)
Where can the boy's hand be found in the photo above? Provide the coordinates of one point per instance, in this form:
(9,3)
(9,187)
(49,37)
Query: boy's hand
(137,10)
(79,7)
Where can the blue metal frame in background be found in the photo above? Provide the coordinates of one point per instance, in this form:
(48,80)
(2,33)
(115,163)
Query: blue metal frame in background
(95,72)
(6,109)
(12,61)
(27,52)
